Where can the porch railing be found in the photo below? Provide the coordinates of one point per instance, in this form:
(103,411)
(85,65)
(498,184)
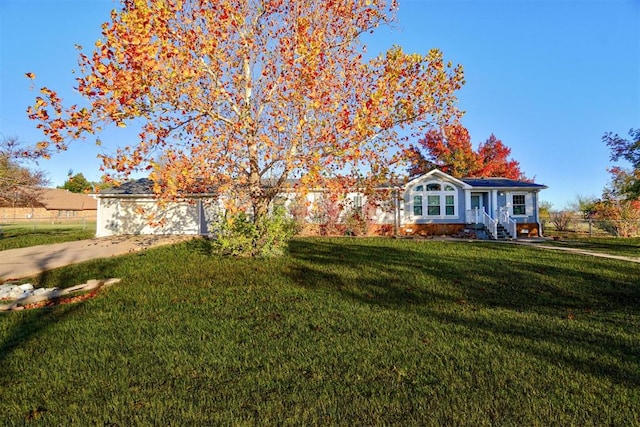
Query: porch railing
(490,224)
(508,223)
(474,216)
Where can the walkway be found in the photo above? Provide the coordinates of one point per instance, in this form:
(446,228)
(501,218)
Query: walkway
(537,244)
(27,262)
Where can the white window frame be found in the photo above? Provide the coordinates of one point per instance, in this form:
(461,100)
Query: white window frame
(357,200)
(420,190)
(523,204)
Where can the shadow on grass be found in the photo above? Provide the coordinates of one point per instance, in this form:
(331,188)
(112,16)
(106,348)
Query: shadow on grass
(490,275)
(617,246)
(538,295)
(30,324)
(18,240)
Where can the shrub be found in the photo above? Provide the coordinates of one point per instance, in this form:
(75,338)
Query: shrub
(238,235)
(355,223)
(562,220)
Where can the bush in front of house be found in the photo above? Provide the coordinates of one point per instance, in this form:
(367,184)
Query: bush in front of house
(238,235)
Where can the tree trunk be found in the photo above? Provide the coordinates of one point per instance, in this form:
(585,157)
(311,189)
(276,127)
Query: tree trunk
(260,213)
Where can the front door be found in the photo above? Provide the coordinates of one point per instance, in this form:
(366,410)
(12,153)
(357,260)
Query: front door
(476,202)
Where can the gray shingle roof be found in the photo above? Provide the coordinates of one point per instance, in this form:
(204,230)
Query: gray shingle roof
(139,186)
(500,183)
(144,186)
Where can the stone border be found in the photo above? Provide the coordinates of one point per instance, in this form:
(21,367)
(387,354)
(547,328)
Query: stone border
(51,294)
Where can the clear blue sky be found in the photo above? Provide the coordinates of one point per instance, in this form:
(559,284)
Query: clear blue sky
(547,77)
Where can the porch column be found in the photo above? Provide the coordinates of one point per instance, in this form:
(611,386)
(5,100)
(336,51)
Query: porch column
(494,204)
(467,205)
(396,211)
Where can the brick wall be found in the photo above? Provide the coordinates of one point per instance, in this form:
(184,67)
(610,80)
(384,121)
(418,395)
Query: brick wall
(42,214)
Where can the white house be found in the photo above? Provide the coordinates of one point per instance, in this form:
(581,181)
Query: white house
(431,204)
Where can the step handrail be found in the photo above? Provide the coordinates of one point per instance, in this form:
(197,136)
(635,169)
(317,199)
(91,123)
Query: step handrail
(508,223)
(491,225)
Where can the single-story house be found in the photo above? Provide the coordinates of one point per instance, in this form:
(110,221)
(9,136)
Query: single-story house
(431,204)
(437,203)
(50,204)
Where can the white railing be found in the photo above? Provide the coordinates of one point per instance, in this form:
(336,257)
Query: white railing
(474,216)
(491,225)
(508,223)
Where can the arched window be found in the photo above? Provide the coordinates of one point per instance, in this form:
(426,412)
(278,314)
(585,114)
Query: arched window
(434,199)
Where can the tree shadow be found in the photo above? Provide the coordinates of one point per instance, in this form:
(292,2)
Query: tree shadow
(625,247)
(30,324)
(447,290)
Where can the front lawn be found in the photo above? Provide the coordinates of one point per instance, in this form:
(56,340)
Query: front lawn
(22,235)
(340,332)
(622,246)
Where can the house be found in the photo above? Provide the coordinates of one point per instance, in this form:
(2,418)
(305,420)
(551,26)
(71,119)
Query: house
(50,204)
(132,209)
(431,204)
(437,203)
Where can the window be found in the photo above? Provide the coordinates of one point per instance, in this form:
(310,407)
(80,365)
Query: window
(450,205)
(440,198)
(519,205)
(417,205)
(357,202)
(433,207)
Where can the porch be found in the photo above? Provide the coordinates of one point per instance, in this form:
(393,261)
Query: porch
(503,227)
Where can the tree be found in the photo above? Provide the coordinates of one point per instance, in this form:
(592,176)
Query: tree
(629,150)
(545,209)
(18,184)
(236,91)
(77,183)
(493,159)
(450,150)
(617,214)
(585,205)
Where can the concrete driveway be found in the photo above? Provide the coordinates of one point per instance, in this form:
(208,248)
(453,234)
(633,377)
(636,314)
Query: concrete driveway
(27,262)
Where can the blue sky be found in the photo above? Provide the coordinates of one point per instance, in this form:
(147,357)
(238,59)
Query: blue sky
(548,78)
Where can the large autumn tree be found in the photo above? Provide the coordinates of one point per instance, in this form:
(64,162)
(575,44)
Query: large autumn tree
(235,92)
(449,149)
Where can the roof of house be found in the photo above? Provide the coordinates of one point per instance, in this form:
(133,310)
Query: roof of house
(437,173)
(59,199)
(501,183)
(139,186)
(144,186)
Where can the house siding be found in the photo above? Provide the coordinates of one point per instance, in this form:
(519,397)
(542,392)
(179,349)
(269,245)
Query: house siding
(130,216)
(121,213)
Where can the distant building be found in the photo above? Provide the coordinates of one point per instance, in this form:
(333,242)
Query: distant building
(47,204)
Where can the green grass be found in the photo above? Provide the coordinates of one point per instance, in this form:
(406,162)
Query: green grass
(629,247)
(14,236)
(340,332)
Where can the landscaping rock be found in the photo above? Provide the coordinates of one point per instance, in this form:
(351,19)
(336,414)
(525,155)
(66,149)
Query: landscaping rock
(12,291)
(19,296)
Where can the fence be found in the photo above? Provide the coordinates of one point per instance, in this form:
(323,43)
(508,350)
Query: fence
(593,227)
(47,222)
